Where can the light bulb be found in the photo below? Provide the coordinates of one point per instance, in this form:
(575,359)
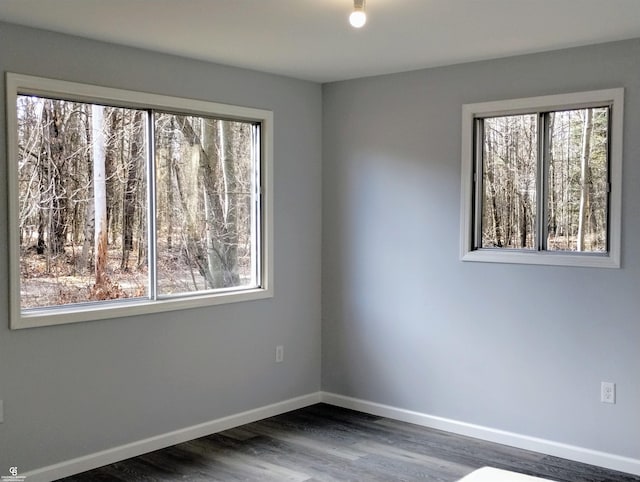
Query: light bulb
(357,18)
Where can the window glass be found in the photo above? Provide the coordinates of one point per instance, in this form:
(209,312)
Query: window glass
(509,172)
(82,202)
(577,197)
(206,226)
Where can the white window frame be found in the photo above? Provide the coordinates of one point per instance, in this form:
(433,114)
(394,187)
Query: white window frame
(17,84)
(470,112)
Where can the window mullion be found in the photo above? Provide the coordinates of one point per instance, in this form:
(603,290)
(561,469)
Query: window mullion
(542,182)
(477,181)
(609,177)
(151,207)
(256,254)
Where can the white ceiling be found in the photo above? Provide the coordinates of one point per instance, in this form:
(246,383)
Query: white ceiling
(311,39)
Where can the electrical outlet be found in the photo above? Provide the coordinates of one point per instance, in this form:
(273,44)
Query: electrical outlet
(608,392)
(279,353)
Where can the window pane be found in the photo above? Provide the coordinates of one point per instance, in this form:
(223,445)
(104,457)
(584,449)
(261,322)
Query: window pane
(578,180)
(82,190)
(509,171)
(206,171)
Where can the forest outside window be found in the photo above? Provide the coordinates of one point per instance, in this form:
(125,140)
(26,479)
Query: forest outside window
(124,202)
(541,180)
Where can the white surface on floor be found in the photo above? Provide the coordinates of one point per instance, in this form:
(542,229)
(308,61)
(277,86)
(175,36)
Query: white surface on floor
(489,474)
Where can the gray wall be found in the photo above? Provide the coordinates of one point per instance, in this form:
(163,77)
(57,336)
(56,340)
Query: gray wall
(76,389)
(405,323)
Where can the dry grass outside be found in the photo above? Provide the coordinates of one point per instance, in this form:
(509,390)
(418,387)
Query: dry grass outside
(593,243)
(63,281)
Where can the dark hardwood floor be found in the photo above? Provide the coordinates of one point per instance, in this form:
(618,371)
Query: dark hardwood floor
(326,443)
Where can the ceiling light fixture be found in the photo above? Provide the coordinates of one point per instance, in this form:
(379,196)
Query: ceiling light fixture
(358,17)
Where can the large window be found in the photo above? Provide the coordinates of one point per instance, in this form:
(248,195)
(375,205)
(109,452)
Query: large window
(541,180)
(125,203)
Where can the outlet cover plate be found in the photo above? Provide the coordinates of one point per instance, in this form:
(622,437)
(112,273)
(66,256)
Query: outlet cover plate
(608,392)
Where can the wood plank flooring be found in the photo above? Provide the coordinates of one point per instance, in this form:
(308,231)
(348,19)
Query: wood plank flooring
(326,443)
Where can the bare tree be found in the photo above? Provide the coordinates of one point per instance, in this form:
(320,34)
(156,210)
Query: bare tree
(99,193)
(585,180)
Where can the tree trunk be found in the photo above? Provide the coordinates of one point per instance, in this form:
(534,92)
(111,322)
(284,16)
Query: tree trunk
(552,222)
(130,195)
(99,193)
(219,264)
(214,201)
(491,188)
(55,173)
(584,178)
(89,225)
(174,156)
(228,135)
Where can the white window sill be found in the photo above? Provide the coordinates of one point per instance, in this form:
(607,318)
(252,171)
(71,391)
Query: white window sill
(132,307)
(585,260)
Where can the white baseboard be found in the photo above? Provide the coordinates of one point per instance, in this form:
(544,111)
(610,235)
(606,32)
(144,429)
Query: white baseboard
(547,447)
(98,459)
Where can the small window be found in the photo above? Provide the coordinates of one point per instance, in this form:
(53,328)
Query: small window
(541,180)
(126,203)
